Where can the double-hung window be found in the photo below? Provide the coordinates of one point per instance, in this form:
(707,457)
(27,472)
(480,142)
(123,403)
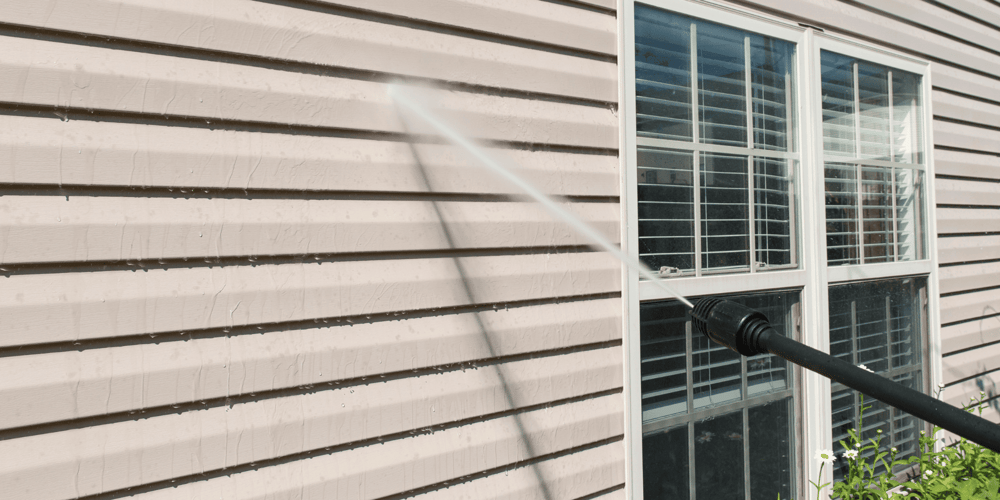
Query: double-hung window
(784,168)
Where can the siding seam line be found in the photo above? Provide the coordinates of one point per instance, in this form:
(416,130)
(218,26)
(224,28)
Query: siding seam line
(311,323)
(417,23)
(496,470)
(64,267)
(185,192)
(67,113)
(605,491)
(255,397)
(330,450)
(272,63)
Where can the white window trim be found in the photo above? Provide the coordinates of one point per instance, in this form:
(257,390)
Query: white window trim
(814,413)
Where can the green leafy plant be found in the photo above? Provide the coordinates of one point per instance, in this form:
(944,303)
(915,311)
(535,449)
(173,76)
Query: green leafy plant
(962,471)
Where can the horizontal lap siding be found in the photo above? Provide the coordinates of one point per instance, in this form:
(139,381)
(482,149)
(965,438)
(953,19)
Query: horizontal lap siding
(232,268)
(965,57)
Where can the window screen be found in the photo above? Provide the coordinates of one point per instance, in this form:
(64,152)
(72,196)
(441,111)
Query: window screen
(873,160)
(880,325)
(715,424)
(714,125)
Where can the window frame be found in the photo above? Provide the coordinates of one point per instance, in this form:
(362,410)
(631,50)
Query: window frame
(812,276)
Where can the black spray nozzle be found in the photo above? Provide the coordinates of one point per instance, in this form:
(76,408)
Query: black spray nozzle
(735,326)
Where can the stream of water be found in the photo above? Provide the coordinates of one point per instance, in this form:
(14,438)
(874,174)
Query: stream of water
(402,97)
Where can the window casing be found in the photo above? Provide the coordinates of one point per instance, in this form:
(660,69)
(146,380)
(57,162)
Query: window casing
(887,227)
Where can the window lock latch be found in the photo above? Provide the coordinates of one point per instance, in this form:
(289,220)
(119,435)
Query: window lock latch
(669,271)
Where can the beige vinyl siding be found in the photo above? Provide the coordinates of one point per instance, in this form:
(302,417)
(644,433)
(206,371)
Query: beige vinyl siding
(230,269)
(962,41)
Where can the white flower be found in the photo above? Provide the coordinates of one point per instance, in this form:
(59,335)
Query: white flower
(940,386)
(857,445)
(851,454)
(893,449)
(825,456)
(879,431)
(865,368)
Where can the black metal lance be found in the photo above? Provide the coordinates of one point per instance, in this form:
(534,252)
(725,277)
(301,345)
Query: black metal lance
(749,333)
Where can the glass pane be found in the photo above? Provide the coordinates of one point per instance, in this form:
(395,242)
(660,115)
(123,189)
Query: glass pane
(666,208)
(769,373)
(771,67)
(838,104)
(905,427)
(665,465)
(841,214)
(876,189)
(772,211)
(872,331)
(909,202)
(873,103)
(662,74)
(725,218)
(716,374)
(722,108)
(718,458)
(906,124)
(905,329)
(842,331)
(663,351)
(770,450)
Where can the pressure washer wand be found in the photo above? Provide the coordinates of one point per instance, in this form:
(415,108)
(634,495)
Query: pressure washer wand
(749,333)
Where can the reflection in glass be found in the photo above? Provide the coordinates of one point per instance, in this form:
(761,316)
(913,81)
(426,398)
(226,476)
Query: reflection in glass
(666,208)
(725,237)
(909,226)
(906,123)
